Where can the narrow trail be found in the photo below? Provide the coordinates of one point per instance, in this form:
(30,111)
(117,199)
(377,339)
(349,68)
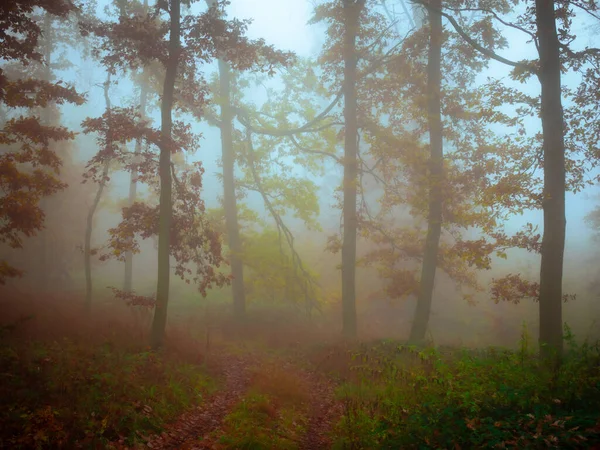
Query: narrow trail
(194,425)
(198,428)
(325,410)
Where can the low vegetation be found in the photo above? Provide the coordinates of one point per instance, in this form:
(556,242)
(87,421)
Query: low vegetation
(61,387)
(404,397)
(273,414)
(96,385)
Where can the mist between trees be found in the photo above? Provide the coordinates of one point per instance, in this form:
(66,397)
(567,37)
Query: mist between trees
(427,173)
(385,149)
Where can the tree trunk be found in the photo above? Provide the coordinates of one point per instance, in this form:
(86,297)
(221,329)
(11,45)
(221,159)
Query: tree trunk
(128,276)
(165,210)
(553,242)
(434,220)
(229,200)
(128,279)
(44,260)
(87,250)
(352,10)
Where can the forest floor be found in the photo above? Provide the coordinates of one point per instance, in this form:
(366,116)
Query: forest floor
(265,402)
(278,385)
(74,382)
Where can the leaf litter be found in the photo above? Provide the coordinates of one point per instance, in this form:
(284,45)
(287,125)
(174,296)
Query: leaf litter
(199,428)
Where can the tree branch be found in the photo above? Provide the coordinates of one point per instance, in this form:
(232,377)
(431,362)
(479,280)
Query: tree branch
(296,260)
(484,51)
(502,21)
(244,116)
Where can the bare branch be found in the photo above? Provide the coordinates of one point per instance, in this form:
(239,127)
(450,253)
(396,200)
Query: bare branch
(296,260)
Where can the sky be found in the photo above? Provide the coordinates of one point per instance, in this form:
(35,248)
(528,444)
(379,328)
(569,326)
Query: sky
(283,23)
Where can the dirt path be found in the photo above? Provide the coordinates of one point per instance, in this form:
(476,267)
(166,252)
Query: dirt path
(192,426)
(324,413)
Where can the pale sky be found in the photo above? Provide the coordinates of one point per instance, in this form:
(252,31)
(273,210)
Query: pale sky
(282,23)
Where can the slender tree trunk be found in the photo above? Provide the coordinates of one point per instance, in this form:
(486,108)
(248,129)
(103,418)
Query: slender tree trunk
(352,10)
(229,200)
(128,279)
(434,220)
(87,250)
(166,210)
(44,260)
(128,276)
(553,242)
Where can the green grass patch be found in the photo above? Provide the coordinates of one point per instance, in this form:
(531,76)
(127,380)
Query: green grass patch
(64,392)
(272,415)
(402,397)
(257,423)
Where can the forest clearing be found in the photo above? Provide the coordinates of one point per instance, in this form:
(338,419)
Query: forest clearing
(299,224)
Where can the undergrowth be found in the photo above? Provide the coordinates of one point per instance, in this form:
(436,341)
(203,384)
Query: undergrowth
(92,383)
(272,414)
(406,397)
(73,388)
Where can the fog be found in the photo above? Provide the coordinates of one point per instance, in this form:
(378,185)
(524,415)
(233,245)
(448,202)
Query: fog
(284,24)
(299,224)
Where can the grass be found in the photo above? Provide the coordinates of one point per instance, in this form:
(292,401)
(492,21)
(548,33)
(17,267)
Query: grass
(402,397)
(89,382)
(273,413)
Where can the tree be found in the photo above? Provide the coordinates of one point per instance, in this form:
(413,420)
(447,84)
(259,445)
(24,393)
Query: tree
(107,139)
(352,12)
(144,93)
(553,202)
(165,206)
(434,219)
(317,139)
(485,174)
(229,199)
(261,151)
(29,166)
(281,282)
(183,231)
(142,77)
(346,26)
(133,182)
(546,26)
